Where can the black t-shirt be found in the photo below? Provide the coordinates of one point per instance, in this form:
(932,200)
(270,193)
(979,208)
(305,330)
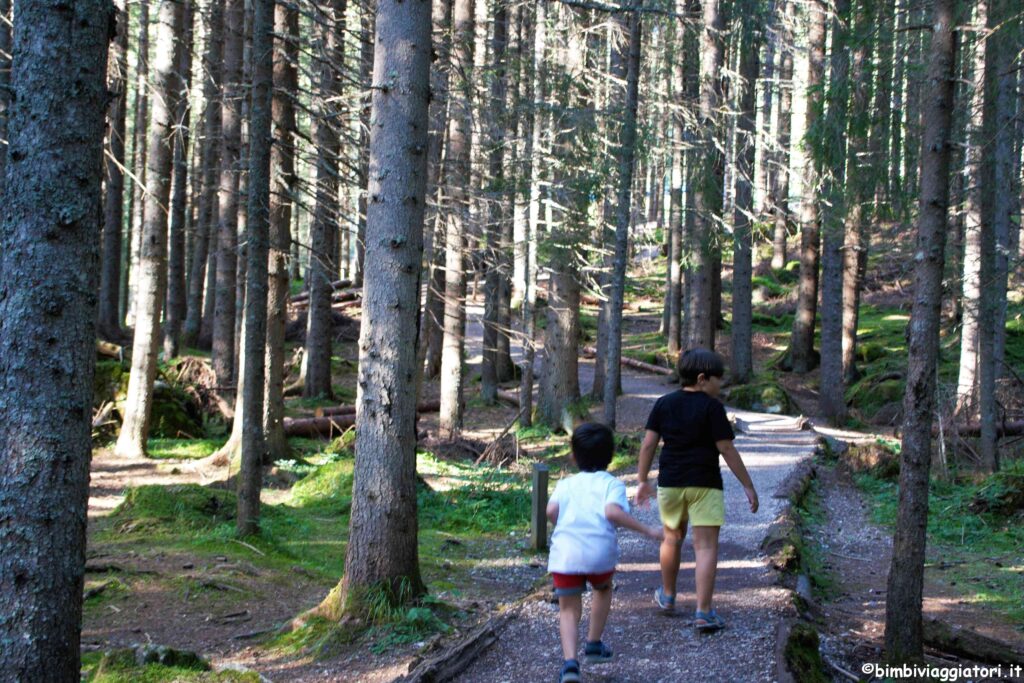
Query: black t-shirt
(689,422)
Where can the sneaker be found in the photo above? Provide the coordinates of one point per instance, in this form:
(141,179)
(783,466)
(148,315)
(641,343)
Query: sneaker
(708,622)
(663,601)
(570,672)
(597,653)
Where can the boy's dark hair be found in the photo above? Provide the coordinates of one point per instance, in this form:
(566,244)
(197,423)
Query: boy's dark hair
(696,362)
(593,446)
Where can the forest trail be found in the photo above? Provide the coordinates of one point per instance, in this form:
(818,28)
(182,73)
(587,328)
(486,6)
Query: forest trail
(650,646)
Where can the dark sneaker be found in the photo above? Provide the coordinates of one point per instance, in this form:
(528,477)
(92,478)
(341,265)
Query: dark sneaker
(570,672)
(597,653)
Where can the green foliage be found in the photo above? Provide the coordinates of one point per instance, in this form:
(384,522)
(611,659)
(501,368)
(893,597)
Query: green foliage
(974,530)
(327,486)
(158,665)
(484,507)
(764,396)
(813,560)
(415,624)
(187,506)
(182,449)
(770,285)
(535,432)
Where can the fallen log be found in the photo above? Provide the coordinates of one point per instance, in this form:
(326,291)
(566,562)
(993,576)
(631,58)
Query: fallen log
(964,642)
(330,425)
(304,296)
(109,350)
(510,397)
(1014,428)
(336,298)
(334,411)
(633,363)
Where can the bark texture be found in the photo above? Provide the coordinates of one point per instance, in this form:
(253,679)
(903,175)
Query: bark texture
(903,628)
(151,285)
(49,274)
(382,551)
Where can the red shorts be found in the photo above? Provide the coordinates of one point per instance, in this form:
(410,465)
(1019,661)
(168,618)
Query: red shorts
(573,584)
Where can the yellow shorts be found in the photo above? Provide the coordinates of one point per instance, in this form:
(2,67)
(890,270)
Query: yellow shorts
(700,505)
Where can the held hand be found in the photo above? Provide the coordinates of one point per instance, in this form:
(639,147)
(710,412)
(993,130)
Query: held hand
(655,533)
(644,492)
(752,498)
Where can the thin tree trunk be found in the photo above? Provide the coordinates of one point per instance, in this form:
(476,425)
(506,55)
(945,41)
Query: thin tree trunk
(707,196)
(324,230)
(282,190)
(675,224)
(860,184)
(49,274)
(886,29)
(497,269)
(903,625)
(626,154)
(831,142)
(802,344)
(227,197)
(779,190)
(970,333)
(457,167)
(382,548)
(206,234)
(118,77)
(151,285)
(109,322)
(743,216)
(139,150)
(365,78)
(250,478)
(175,307)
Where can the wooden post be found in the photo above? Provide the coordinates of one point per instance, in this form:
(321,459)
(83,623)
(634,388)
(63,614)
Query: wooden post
(539,517)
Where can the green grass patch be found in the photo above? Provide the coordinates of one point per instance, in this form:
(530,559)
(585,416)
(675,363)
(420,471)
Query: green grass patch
(813,560)
(183,449)
(969,530)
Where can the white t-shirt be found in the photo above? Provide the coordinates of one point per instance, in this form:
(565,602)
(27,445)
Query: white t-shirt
(584,540)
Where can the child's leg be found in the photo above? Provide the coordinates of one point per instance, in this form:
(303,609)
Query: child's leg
(705,543)
(669,556)
(600,605)
(570,609)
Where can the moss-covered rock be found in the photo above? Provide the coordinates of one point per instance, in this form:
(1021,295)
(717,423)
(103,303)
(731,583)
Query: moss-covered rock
(803,659)
(764,397)
(877,398)
(872,458)
(109,382)
(175,413)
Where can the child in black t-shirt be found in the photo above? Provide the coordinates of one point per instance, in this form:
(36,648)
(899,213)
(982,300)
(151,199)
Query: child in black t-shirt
(692,423)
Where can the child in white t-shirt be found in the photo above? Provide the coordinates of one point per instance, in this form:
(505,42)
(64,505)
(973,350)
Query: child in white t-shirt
(585,509)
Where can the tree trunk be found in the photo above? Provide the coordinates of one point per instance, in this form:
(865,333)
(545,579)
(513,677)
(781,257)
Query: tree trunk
(495,258)
(49,274)
(151,285)
(324,230)
(456,220)
(880,131)
(802,344)
(109,322)
(903,629)
(860,185)
(286,87)
(625,156)
(675,223)
(382,548)
(227,196)
(118,77)
(779,189)
(967,383)
(831,143)
(999,207)
(368,36)
(206,234)
(174,314)
(257,231)
(139,164)
(707,195)
(743,216)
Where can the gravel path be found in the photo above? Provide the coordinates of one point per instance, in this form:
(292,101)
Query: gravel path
(650,646)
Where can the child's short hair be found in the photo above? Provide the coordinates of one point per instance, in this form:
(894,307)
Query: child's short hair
(696,362)
(593,446)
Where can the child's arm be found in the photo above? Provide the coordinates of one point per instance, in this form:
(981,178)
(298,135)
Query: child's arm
(619,517)
(735,462)
(647,449)
(552,512)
